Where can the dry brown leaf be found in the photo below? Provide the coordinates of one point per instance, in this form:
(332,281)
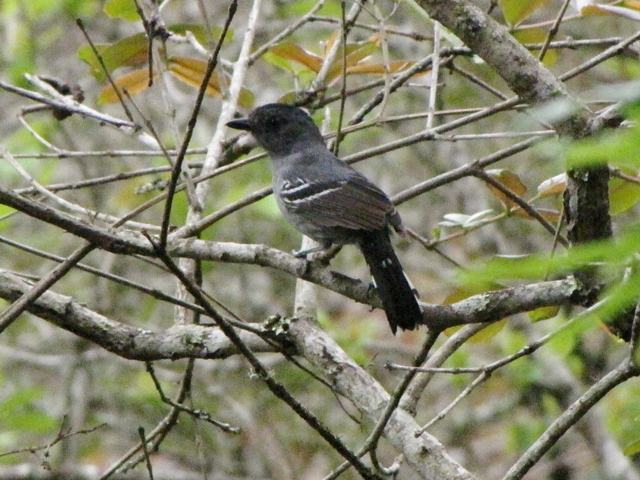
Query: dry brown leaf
(133,82)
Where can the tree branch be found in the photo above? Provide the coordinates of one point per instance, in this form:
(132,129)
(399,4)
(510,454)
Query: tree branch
(569,417)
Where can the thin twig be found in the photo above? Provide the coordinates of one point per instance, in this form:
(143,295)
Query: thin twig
(16,308)
(61,435)
(343,87)
(461,171)
(262,49)
(319,82)
(155,293)
(553,30)
(372,441)
(35,134)
(435,70)
(419,37)
(634,338)
(443,413)
(616,172)
(371,444)
(601,57)
(105,70)
(275,387)
(177,169)
(163,427)
(570,417)
(521,203)
(195,413)
(78,209)
(145,451)
(477,80)
(150,33)
(449,347)
(65,103)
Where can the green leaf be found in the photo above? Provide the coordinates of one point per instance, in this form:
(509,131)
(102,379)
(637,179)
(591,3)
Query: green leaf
(129,51)
(537,266)
(5,210)
(618,298)
(619,148)
(20,411)
(632,448)
(622,195)
(123,9)
(543,313)
(331,8)
(515,11)
(282,63)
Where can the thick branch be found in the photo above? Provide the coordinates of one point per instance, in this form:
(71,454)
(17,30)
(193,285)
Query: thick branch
(487,307)
(179,341)
(524,74)
(425,454)
(143,344)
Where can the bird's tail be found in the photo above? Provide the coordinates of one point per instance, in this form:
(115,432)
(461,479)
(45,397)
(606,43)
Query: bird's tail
(398,299)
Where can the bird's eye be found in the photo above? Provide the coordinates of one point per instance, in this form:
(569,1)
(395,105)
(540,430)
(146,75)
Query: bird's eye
(274,122)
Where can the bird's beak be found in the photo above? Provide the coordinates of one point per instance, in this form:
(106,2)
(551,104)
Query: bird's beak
(240,124)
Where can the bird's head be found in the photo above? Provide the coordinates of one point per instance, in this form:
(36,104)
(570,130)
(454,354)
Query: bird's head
(279,128)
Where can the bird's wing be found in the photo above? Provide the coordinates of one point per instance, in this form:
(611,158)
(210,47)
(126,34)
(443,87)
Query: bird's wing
(353,202)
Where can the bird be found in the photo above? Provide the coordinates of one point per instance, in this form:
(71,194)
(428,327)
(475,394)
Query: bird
(332,203)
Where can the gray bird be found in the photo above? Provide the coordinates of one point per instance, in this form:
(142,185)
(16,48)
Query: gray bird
(330,202)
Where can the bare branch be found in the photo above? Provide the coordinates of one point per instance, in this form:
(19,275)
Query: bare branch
(68,104)
(569,417)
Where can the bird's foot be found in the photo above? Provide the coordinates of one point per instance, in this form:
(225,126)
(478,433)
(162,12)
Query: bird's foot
(320,254)
(304,253)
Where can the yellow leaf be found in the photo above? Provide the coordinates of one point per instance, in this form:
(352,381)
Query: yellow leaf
(553,186)
(133,82)
(510,180)
(515,11)
(356,52)
(634,4)
(191,72)
(291,51)
(330,41)
(593,10)
(378,68)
